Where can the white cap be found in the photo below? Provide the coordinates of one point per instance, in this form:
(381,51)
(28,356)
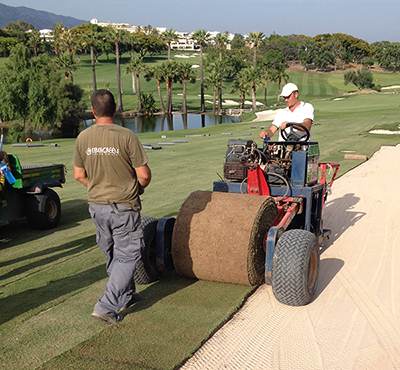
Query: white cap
(288,89)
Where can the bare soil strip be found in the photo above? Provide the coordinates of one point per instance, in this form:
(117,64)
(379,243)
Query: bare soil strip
(354,322)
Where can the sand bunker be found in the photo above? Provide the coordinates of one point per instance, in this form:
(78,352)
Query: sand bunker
(266,115)
(225,102)
(230,102)
(354,321)
(384,132)
(248,102)
(393,87)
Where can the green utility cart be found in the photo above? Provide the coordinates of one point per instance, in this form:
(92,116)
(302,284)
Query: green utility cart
(31,196)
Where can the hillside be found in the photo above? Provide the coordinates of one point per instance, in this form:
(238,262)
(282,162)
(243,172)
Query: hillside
(38,18)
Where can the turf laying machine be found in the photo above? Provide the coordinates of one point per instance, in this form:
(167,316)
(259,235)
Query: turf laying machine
(261,223)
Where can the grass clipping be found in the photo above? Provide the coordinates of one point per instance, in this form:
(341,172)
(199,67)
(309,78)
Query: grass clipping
(219,237)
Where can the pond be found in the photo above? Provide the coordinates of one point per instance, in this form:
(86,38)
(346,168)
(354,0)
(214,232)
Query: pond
(172,122)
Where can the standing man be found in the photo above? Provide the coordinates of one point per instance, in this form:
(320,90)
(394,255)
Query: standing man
(296,111)
(111,163)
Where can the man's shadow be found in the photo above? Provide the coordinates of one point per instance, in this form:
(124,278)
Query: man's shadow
(339,216)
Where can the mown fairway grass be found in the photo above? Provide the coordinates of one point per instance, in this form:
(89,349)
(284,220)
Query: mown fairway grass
(50,280)
(312,84)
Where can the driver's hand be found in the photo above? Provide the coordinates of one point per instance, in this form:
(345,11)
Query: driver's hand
(141,189)
(283,125)
(263,134)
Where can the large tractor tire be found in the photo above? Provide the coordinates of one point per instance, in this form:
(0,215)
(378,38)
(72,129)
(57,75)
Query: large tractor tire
(43,211)
(219,237)
(295,267)
(145,272)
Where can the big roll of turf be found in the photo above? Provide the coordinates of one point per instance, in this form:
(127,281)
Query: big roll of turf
(219,237)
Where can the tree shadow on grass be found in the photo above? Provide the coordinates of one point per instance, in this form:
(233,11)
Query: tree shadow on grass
(15,305)
(67,249)
(73,212)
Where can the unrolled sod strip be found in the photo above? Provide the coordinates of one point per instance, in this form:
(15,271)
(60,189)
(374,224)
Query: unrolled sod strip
(219,237)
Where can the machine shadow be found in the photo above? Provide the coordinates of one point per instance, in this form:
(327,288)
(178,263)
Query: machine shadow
(328,269)
(73,211)
(168,284)
(341,216)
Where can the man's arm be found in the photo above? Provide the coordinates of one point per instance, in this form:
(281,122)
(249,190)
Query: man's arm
(143,174)
(270,132)
(308,123)
(80,175)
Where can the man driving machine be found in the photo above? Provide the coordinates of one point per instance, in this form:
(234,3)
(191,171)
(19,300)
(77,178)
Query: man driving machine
(296,112)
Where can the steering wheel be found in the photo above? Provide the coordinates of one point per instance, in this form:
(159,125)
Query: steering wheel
(297,132)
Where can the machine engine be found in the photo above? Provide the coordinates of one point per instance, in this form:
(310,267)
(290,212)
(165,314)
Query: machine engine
(283,162)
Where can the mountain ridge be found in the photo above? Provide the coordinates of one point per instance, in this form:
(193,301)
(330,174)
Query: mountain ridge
(40,19)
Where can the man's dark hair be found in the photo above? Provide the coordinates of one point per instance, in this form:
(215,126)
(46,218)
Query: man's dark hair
(103,103)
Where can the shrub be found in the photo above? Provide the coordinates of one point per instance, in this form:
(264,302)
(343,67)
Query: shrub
(148,103)
(362,78)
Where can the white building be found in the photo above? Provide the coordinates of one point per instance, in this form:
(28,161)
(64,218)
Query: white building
(46,34)
(119,26)
(185,40)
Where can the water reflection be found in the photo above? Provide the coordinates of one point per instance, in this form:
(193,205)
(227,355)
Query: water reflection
(172,122)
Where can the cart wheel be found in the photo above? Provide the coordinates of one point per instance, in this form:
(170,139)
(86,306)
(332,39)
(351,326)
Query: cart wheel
(145,272)
(43,211)
(295,267)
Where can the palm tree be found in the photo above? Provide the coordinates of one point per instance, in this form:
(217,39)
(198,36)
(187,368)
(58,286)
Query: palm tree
(201,37)
(255,40)
(157,73)
(221,42)
(170,36)
(34,41)
(136,67)
(278,76)
(185,75)
(117,37)
(215,79)
(265,79)
(274,63)
(89,37)
(254,77)
(170,70)
(65,47)
(242,85)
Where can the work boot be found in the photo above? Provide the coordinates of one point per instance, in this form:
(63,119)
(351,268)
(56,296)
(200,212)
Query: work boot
(106,317)
(136,297)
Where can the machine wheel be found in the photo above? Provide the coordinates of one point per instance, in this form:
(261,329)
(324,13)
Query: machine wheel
(43,211)
(295,267)
(145,272)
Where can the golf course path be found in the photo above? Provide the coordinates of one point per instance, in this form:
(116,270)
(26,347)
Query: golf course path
(354,321)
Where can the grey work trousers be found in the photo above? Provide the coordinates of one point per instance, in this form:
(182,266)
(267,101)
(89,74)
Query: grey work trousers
(120,237)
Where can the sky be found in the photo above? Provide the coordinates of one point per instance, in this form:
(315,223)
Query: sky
(371,20)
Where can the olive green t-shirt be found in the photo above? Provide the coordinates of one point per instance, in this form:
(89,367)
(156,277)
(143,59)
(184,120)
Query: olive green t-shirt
(109,154)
